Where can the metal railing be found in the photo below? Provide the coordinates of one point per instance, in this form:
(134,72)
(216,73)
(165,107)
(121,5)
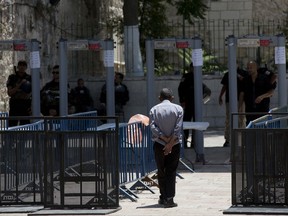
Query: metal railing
(59,167)
(136,157)
(261,122)
(259,163)
(51,153)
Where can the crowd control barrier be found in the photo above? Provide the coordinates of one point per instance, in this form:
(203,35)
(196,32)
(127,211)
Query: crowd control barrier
(51,156)
(136,157)
(47,163)
(273,113)
(260,164)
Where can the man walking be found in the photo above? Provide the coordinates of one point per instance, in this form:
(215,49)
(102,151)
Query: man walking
(256,91)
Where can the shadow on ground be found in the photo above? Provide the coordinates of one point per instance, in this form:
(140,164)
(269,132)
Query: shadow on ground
(217,159)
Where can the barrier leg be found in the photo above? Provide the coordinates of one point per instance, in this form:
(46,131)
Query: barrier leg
(184,164)
(141,185)
(128,193)
(150,181)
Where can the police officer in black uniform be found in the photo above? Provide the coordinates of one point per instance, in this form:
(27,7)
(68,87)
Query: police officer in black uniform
(19,90)
(186,97)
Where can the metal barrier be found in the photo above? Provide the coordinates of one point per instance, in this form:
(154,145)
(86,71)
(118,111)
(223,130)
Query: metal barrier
(273,113)
(80,124)
(54,156)
(19,163)
(58,167)
(281,122)
(281,109)
(136,157)
(88,174)
(20,171)
(259,122)
(259,166)
(273,120)
(259,162)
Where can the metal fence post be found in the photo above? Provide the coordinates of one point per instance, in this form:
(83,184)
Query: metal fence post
(150,80)
(198,95)
(109,66)
(282,83)
(35,74)
(232,68)
(63,78)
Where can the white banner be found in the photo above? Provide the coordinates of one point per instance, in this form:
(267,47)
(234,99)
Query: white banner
(197,57)
(34,60)
(280,55)
(109,58)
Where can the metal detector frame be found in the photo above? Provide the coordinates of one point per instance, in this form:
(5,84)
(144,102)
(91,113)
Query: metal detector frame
(253,41)
(33,46)
(89,45)
(172,43)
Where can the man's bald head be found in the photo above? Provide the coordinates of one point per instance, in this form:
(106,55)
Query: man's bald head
(252,67)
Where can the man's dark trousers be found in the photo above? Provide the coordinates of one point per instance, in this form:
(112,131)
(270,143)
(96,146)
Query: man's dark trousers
(167,166)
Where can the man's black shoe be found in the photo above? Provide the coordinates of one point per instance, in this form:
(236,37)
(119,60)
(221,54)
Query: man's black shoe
(162,201)
(170,204)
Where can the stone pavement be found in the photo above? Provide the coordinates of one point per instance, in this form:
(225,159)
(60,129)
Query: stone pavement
(206,192)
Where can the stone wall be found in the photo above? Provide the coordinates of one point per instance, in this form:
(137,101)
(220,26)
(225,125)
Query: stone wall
(229,9)
(247,9)
(270,10)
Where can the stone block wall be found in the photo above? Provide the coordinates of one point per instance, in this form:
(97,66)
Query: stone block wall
(230,9)
(269,10)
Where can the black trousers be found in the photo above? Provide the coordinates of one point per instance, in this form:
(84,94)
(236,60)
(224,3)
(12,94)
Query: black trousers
(167,166)
(189,115)
(19,107)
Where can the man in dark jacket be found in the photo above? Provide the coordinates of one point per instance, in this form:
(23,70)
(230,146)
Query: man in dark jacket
(121,95)
(186,97)
(50,95)
(19,91)
(81,97)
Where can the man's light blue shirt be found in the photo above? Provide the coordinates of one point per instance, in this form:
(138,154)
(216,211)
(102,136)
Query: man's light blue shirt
(166,118)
